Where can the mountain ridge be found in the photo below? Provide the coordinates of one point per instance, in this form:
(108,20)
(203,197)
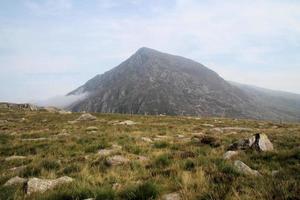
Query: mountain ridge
(152,82)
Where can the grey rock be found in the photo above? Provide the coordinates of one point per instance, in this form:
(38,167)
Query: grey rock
(245,169)
(41,185)
(106,152)
(15,158)
(229,154)
(91,128)
(146,139)
(117,160)
(86,117)
(259,142)
(171,196)
(127,122)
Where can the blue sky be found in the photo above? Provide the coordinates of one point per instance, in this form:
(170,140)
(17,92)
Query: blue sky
(50,47)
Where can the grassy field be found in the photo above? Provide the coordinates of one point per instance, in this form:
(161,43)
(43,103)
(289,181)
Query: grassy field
(172,163)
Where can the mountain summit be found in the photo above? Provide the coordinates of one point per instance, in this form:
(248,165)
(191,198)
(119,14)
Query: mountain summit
(152,82)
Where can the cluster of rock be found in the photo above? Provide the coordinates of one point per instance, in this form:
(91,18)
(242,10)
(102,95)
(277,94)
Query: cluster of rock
(37,185)
(258,142)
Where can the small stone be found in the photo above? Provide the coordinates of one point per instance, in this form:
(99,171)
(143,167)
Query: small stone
(245,169)
(229,154)
(142,158)
(117,160)
(171,196)
(116,147)
(116,186)
(127,122)
(91,128)
(146,139)
(275,172)
(105,152)
(15,181)
(208,125)
(15,158)
(63,112)
(86,117)
(63,134)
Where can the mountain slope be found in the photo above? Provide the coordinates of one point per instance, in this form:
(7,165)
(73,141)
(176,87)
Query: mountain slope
(284,105)
(158,83)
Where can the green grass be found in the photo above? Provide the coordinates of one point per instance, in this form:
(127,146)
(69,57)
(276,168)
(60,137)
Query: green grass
(196,170)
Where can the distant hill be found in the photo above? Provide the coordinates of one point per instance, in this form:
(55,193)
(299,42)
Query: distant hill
(152,82)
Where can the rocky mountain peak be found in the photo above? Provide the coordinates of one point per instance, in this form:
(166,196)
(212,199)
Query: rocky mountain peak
(153,82)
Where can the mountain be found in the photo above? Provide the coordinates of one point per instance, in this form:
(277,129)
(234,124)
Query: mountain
(152,82)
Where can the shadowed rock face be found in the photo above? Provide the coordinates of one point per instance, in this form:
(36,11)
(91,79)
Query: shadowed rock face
(158,83)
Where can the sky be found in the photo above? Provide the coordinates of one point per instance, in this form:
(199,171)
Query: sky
(50,47)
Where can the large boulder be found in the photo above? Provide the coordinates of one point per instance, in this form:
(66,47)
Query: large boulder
(259,142)
(41,185)
(245,169)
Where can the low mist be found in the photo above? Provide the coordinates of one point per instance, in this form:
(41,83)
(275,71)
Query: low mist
(61,101)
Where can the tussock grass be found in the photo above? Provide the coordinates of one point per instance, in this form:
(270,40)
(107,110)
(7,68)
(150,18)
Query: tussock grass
(172,164)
